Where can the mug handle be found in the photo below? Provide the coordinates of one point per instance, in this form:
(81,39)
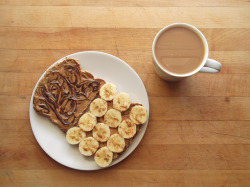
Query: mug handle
(211,66)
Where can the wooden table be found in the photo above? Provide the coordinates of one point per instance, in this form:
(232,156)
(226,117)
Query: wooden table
(199,128)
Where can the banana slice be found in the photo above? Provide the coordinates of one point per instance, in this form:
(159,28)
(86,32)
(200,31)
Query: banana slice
(88,146)
(87,122)
(127,129)
(138,114)
(103,157)
(113,118)
(121,102)
(108,91)
(74,135)
(101,132)
(98,107)
(116,143)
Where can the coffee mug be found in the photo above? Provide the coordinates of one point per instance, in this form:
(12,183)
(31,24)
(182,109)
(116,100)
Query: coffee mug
(205,65)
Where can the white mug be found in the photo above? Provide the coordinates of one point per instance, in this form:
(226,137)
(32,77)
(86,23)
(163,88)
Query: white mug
(207,65)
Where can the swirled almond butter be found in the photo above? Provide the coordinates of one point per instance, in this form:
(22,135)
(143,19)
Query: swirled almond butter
(65,92)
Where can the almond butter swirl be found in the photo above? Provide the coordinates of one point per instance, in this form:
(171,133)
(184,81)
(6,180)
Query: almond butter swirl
(65,92)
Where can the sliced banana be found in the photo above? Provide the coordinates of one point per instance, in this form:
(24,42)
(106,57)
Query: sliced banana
(116,143)
(103,157)
(87,122)
(127,129)
(108,91)
(101,132)
(138,114)
(88,146)
(74,135)
(121,102)
(113,118)
(98,107)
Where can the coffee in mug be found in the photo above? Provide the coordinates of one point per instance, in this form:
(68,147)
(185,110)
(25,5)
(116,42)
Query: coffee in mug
(180,50)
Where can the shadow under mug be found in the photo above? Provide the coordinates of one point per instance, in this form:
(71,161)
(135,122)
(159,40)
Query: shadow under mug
(207,65)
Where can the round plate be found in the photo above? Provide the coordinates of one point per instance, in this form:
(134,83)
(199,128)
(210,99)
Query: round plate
(104,66)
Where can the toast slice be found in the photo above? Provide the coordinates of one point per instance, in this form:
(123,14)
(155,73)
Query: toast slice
(65,93)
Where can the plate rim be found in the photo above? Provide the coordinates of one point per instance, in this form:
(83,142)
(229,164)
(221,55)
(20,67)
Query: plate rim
(70,56)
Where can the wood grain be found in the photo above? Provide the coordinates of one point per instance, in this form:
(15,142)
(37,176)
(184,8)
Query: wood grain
(128,3)
(199,129)
(123,17)
(136,177)
(197,132)
(198,108)
(199,85)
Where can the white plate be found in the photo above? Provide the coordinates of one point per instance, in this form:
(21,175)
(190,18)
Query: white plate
(104,66)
